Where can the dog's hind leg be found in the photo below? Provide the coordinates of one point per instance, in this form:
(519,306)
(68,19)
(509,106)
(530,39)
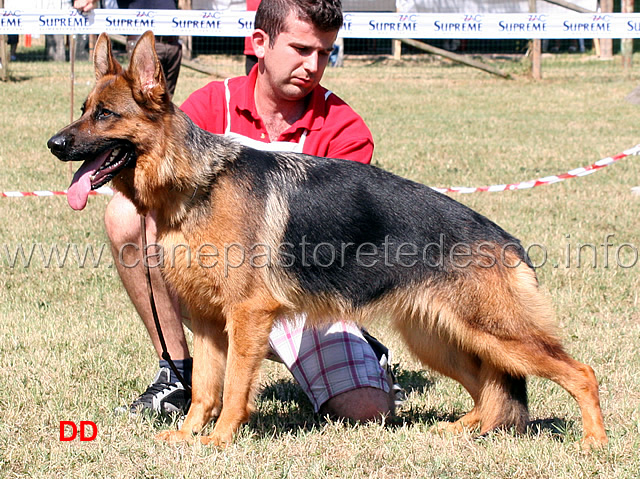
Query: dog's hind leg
(580,381)
(500,400)
(210,354)
(442,356)
(546,358)
(527,345)
(509,324)
(249,325)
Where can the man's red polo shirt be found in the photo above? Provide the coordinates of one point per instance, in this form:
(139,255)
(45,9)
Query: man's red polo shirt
(334,130)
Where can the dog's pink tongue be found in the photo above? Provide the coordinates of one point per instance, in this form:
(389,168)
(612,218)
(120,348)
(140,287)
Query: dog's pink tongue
(78,192)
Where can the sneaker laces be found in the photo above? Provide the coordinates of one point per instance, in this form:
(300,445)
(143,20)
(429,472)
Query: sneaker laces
(153,392)
(162,396)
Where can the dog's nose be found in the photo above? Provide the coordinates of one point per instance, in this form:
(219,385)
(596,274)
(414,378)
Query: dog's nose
(57,144)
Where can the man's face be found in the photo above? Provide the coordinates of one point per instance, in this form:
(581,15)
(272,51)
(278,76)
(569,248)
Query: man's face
(295,63)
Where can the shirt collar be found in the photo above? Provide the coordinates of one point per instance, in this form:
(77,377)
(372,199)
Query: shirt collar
(313,118)
(243,96)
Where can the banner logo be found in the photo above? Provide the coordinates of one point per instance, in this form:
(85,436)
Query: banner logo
(534,23)
(346,22)
(537,18)
(207,15)
(128,21)
(11,18)
(599,24)
(404,23)
(59,22)
(469,23)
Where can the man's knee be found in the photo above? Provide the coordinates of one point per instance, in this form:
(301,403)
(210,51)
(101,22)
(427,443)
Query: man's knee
(122,222)
(362,404)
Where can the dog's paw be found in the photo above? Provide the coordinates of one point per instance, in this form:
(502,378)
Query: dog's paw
(217,440)
(445,428)
(592,443)
(175,436)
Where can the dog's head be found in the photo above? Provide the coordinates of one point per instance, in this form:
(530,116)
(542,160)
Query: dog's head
(119,122)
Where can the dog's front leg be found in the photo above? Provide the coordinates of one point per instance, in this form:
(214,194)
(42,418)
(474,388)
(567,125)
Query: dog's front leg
(210,346)
(248,328)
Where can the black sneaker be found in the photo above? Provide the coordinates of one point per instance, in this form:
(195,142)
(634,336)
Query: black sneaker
(384,357)
(161,397)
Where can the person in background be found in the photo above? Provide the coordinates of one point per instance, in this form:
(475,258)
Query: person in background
(168,48)
(13,40)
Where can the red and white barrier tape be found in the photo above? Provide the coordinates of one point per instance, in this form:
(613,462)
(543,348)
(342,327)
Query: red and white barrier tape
(19,194)
(547,180)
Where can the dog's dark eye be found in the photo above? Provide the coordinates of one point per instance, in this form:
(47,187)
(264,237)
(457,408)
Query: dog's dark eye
(104,113)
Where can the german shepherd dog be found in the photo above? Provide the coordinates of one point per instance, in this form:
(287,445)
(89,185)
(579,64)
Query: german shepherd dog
(328,238)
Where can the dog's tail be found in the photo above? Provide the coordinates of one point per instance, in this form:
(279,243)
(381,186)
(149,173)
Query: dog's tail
(518,403)
(498,314)
(502,401)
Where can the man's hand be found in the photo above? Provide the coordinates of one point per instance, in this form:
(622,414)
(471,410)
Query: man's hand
(83,5)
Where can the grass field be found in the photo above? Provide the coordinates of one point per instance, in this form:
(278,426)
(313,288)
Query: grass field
(72,347)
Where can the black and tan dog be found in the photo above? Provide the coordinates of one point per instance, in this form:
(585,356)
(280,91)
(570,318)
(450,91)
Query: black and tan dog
(276,233)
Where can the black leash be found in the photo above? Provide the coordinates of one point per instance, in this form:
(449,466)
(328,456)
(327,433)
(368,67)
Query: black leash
(154,311)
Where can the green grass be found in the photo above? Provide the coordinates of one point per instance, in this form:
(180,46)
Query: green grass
(72,347)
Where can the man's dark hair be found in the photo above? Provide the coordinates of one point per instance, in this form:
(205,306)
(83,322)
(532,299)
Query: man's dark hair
(325,15)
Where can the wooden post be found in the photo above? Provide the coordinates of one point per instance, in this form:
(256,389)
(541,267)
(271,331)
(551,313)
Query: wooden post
(4,58)
(396,49)
(606,44)
(396,45)
(626,44)
(187,41)
(535,50)
(340,60)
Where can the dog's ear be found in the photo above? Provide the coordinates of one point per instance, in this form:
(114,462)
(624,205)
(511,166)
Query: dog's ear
(103,60)
(146,70)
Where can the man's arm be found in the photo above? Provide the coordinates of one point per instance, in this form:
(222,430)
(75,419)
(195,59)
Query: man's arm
(348,136)
(352,143)
(84,5)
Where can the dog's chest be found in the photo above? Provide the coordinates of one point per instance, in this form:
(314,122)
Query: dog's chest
(191,267)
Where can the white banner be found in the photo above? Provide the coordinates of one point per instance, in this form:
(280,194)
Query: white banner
(229,23)
(485,6)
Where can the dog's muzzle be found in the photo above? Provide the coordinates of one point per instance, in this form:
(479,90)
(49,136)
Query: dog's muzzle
(59,145)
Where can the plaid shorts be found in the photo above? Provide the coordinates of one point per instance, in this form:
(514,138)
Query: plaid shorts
(327,361)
